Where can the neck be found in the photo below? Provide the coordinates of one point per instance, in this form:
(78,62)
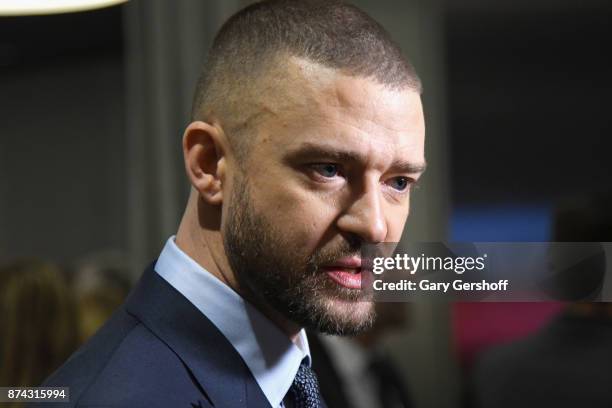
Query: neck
(199,236)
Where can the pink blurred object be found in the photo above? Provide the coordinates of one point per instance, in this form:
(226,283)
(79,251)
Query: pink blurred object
(477,326)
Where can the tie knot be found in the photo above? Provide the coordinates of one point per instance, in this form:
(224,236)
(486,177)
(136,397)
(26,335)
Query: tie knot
(305,388)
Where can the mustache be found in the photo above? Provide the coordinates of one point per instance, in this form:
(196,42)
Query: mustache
(327,256)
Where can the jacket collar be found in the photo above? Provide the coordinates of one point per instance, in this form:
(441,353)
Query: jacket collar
(220,372)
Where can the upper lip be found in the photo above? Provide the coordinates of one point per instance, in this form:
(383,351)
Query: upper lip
(350,262)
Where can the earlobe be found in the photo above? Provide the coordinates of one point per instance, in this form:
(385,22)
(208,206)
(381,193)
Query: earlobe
(205,160)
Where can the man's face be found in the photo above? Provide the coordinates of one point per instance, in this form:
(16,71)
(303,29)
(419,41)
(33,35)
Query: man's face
(330,170)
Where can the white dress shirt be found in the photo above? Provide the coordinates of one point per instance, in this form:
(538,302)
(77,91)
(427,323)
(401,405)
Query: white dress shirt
(270,355)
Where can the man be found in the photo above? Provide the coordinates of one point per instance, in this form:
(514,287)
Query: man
(307,135)
(565,362)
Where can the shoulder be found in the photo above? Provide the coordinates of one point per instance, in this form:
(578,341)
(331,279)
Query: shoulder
(125,365)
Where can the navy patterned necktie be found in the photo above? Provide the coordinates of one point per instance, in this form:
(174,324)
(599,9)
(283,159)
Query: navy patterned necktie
(305,388)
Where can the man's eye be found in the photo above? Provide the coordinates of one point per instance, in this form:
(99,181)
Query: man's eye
(400,183)
(327,170)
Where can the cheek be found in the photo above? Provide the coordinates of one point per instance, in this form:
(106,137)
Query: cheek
(395,232)
(397,217)
(301,218)
(308,221)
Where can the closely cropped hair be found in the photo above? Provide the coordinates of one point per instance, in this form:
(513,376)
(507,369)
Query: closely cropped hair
(328,32)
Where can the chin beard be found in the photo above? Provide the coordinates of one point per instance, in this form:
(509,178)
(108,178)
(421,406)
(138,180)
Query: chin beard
(315,302)
(271,275)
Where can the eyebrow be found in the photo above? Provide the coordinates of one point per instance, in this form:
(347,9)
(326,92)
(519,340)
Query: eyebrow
(311,150)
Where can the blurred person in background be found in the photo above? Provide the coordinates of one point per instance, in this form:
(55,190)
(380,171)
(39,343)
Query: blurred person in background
(567,362)
(357,372)
(38,322)
(100,283)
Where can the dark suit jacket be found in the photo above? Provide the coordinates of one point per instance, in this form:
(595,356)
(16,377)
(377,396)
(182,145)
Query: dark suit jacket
(157,350)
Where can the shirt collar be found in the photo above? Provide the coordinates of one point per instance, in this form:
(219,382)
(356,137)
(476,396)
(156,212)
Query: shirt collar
(270,355)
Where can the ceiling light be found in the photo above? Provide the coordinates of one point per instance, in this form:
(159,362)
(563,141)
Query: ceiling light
(37,7)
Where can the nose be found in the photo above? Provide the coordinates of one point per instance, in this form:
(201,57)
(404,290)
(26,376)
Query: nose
(365,217)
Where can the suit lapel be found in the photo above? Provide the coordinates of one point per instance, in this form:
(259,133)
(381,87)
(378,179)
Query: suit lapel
(218,369)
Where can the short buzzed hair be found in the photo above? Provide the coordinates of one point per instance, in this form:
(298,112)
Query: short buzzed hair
(327,32)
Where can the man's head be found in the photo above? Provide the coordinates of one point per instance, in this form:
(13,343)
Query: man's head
(308,133)
(249,55)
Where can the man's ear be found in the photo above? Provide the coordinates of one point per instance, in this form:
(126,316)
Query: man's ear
(205,160)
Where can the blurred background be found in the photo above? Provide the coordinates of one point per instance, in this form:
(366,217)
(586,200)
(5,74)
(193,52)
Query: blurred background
(92,109)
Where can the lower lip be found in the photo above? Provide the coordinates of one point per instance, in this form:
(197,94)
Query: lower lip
(346,279)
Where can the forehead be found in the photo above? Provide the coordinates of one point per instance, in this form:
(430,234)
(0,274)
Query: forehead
(315,103)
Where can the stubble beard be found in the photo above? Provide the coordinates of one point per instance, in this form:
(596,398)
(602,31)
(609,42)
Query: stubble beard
(271,271)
